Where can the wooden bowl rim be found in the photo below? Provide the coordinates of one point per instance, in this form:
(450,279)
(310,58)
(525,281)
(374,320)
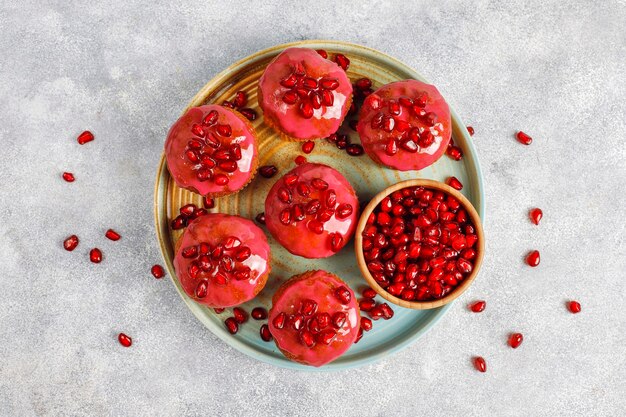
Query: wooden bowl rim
(460,289)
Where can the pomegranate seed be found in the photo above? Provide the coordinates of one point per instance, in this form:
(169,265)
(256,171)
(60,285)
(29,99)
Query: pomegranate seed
(279,320)
(95,255)
(343,295)
(307,147)
(336,241)
(478,306)
(268,171)
(366,324)
(231,325)
(70,243)
(241,99)
(85,137)
(363,83)
(574,307)
(455,153)
(265,333)
(228,104)
(124,340)
(359,336)
(221,179)
(470,130)
(454,183)
(260,218)
(515,340)
(322,53)
(248,113)
(533,258)
(535,215)
(300,160)
(369,293)
(68,176)
(480,364)
(307,339)
(354,149)
(157,271)
(240,315)
(219,310)
(259,313)
(208,202)
(523,138)
(112,235)
(342,61)
(306,110)
(367,304)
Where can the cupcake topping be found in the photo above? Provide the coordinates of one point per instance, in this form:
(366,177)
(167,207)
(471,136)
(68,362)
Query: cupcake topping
(307,92)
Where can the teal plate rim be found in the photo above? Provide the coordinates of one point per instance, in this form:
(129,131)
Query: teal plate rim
(470,160)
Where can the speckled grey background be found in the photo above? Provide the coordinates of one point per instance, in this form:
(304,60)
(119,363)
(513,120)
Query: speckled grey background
(554,69)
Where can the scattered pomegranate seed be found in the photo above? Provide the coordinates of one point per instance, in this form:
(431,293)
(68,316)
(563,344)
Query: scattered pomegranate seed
(208,202)
(523,138)
(359,336)
(265,333)
(228,104)
(480,364)
(454,152)
(157,271)
(307,147)
(124,340)
(478,306)
(240,315)
(268,171)
(249,113)
(533,258)
(352,124)
(300,160)
(70,243)
(85,137)
(574,307)
(515,340)
(112,235)
(322,53)
(354,149)
(259,313)
(342,61)
(535,215)
(241,99)
(219,310)
(470,130)
(95,255)
(366,324)
(363,83)
(68,176)
(368,293)
(260,218)
(454,183)
(231,325)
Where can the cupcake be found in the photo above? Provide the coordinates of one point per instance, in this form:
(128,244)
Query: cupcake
(314,318)
(222,260)
(405,125)
(312,211)
(303,95)
(212,151)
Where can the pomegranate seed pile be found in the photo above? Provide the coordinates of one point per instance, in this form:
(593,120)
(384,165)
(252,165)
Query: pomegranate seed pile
(308,93)
(419,244)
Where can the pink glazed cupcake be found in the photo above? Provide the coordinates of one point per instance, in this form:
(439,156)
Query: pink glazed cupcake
(222,260)
(312,211)
(314,318)
(405,125)
(212,151)
(303,95)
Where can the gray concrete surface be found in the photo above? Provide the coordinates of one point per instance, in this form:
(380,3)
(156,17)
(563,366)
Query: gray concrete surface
(125,69)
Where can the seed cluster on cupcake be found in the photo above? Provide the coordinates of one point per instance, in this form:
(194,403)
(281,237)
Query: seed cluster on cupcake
(312,211)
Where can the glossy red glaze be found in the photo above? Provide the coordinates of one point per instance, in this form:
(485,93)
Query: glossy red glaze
(312,211)
(405,125)
(222,260)
(304,95)
(211,150)
(314,335)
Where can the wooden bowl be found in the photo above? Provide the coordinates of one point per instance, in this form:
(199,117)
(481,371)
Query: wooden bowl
(457,291)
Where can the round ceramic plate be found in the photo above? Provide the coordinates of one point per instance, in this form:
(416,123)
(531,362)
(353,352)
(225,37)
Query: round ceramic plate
(367,178)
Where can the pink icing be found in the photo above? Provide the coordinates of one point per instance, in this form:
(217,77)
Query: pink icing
(297,237)
(287,117)
(185,171)
(320,287)
(374,140)
(214,228)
